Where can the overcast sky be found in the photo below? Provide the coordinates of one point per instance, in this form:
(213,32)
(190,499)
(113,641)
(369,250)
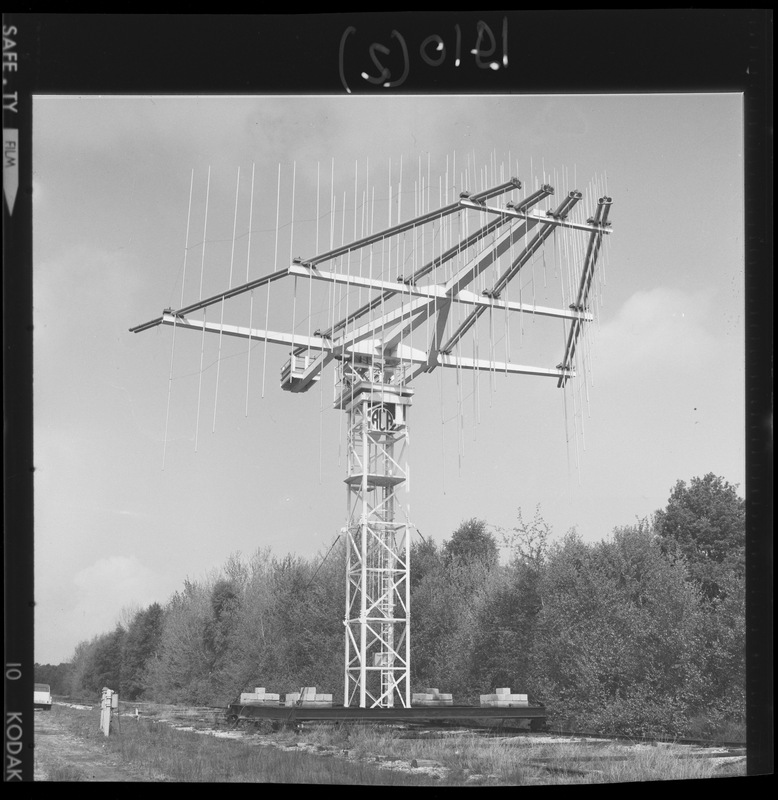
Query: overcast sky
(663,399)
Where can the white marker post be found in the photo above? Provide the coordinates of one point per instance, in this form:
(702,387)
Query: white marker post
(109,700)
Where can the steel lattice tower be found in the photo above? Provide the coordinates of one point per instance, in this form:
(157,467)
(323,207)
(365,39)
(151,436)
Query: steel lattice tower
(377,619)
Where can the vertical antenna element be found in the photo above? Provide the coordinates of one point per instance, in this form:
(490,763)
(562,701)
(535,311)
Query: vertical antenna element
(202,344)
(251,301)
(275,267)
(221,320)
(173,346)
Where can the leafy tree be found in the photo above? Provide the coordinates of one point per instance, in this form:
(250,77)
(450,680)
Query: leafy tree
(57,676)
(723,633)
(181,673)
(528,542)
(704,523)
(140,647)
(620,635)
(80,662)
(445,609)
(507,621)
(103,666)
(290,631)
(225,602)
(425,558)
(472,541)
(504,631)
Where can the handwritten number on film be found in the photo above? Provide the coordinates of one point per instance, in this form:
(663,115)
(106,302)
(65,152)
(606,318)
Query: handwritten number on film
(432,51)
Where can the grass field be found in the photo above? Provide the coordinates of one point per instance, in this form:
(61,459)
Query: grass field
(375,755)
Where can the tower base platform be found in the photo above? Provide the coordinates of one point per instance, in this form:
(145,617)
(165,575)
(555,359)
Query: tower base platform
(291,714)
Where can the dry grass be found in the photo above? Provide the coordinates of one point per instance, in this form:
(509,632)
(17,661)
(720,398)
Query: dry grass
(158,751)
(524,760)
(347,754)
(63,773)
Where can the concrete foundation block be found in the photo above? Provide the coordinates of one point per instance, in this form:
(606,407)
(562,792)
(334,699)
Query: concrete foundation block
(309,699)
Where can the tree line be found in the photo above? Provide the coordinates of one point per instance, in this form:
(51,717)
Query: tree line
(641,632)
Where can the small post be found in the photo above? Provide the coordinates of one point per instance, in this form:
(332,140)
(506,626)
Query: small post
(108,701)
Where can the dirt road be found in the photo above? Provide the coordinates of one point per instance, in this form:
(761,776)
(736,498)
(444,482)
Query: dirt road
(62,756)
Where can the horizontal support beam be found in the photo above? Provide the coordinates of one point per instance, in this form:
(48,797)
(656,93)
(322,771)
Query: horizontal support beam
(369,348)
(276,337)
(538,216)
(500,366)
(367,283)
(470,298)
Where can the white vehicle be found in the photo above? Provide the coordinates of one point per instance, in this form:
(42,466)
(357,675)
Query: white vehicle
(42,696)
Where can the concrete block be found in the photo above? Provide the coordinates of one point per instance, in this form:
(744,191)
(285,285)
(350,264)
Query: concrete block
(260,690)
(311,701)
(505,702)
(503,691)
(251,697)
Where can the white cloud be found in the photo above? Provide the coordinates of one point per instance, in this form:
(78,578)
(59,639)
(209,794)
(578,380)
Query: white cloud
(91,604)
(658,326)
(107,586)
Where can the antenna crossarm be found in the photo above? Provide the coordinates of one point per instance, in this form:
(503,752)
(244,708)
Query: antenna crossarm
(276,337)
(461,362)
(366,283)
(587,275)
(209,301)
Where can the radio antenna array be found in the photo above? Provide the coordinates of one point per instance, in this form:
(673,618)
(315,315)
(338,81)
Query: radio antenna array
(377,358)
